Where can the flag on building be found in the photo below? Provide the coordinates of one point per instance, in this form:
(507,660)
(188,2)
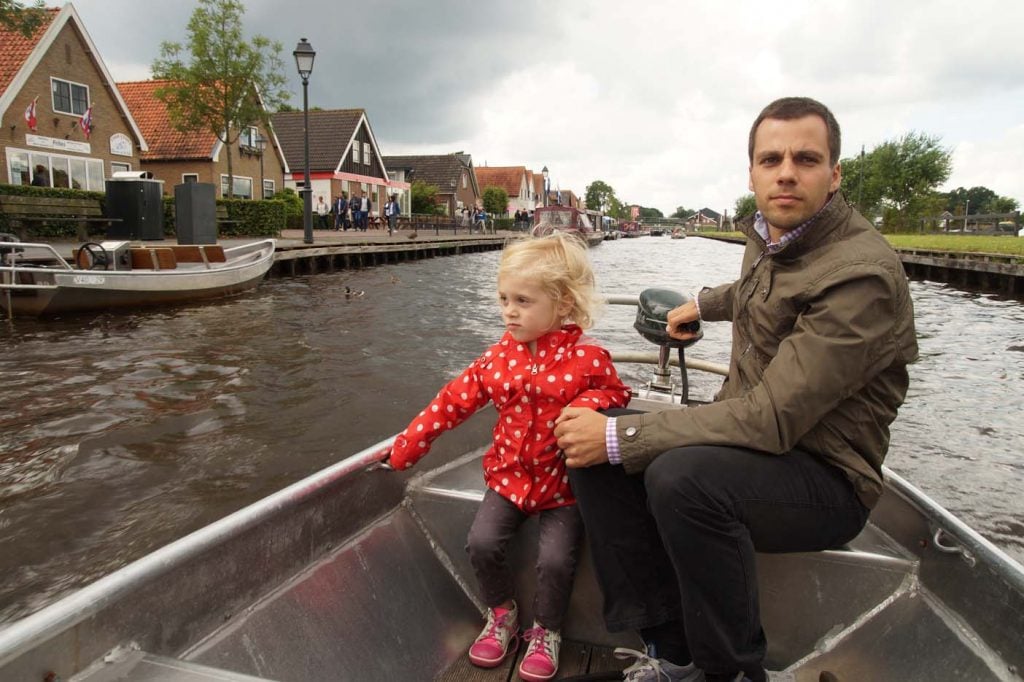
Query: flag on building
(30,114)
(86,122)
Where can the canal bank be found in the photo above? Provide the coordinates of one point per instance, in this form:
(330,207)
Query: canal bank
(993,273)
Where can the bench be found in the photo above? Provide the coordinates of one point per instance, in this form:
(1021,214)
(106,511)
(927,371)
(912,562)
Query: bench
(25,211)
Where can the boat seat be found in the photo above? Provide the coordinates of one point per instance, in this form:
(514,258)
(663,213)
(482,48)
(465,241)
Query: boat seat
(153,258)
(210,253)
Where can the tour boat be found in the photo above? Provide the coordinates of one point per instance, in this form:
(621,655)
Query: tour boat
(550,219)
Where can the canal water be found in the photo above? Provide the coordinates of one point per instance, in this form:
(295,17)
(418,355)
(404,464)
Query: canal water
(121,433)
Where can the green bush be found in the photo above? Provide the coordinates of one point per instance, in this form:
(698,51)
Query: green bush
(57,229)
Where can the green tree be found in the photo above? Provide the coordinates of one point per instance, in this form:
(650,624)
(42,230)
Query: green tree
(600,196)
(683,213)
(229,82)
(495,201)
(17,17)
(1000,205)
(905,173)
(973,200)
(745,206)
(650,213)
(424,198)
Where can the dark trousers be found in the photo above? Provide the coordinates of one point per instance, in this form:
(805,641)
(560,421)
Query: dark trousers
(676,543)
(558,545)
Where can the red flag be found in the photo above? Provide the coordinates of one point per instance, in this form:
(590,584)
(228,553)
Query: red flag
(86,122)
(30,115)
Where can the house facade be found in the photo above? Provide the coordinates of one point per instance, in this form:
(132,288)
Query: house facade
(61,110)
(452,174)
(199,156)
(343,157)
(512,179)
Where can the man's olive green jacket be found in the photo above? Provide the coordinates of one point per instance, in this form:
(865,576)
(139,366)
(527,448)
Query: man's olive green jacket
(822,333)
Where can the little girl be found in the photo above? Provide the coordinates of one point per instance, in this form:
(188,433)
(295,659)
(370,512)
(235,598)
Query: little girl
(542,364)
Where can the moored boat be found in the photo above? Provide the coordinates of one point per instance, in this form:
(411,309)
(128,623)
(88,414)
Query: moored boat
(36,280)
(321,579)
(567,219)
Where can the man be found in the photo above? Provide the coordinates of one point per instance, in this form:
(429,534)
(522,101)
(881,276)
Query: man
(339,209)
(41,177)
(788,458)
(393,210)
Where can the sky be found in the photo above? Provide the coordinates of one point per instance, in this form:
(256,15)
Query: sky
(654,98)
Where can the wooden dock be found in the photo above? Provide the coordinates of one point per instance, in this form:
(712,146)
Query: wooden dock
(343,251)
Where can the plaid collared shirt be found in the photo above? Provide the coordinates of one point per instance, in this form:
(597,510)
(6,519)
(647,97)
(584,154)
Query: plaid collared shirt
(761,227)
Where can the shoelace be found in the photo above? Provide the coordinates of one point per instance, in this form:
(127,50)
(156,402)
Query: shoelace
(643,664)
(540,637)
(496,626)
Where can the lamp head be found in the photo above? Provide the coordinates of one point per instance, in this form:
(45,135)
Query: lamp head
(304,55)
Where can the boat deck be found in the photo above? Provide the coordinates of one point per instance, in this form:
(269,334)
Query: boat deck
(575,659)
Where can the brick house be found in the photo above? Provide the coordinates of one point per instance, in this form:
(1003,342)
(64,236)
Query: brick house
(343,157)
(512,179)
(176,157)
(61,110)
(452,174)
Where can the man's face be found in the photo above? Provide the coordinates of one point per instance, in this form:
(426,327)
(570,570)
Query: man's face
(791,176)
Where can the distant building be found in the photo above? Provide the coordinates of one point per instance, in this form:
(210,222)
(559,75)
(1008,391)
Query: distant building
(512,179)
(199,156)
(343,156)
(452,174)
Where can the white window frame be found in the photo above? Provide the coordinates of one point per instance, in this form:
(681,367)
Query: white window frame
(366,153)
(71,96)
(119,166)
(185,177)
(355,151)
(273,189)
(465,179)
(247,138)
(95,179)
(224,184)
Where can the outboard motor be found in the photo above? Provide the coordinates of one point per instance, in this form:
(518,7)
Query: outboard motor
(651,319)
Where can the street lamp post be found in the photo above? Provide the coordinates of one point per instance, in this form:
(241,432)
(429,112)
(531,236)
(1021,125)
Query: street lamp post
(544,172)
(261,145)
(304,55)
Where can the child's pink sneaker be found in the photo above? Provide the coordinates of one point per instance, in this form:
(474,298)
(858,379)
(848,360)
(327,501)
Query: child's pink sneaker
(541,660)
(498,638)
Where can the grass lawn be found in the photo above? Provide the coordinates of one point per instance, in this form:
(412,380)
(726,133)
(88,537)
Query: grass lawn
(964,243)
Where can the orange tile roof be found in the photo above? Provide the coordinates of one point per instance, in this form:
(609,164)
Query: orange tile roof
(150,114)
(509,178)
(17,48)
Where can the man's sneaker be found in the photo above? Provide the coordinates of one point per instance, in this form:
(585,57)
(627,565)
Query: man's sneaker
(541,660)
(647,669)
(497,639)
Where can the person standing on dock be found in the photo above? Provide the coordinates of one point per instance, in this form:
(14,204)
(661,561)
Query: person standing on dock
(788,458)
(322,209)
(339,209)
(542,363)
(392,211)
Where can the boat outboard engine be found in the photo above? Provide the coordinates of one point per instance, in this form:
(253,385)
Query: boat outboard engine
(651,319)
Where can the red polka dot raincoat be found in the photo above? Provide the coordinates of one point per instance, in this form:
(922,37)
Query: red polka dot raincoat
(523,464)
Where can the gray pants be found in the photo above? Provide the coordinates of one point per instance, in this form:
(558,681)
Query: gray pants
(560,532)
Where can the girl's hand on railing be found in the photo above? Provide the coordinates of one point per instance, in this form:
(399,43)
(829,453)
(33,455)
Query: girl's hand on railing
(384,463)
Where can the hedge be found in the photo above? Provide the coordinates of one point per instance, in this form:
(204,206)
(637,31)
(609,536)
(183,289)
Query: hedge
(251,218)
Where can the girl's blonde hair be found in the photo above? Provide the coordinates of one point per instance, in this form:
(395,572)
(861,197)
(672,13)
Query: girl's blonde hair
(559,264)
